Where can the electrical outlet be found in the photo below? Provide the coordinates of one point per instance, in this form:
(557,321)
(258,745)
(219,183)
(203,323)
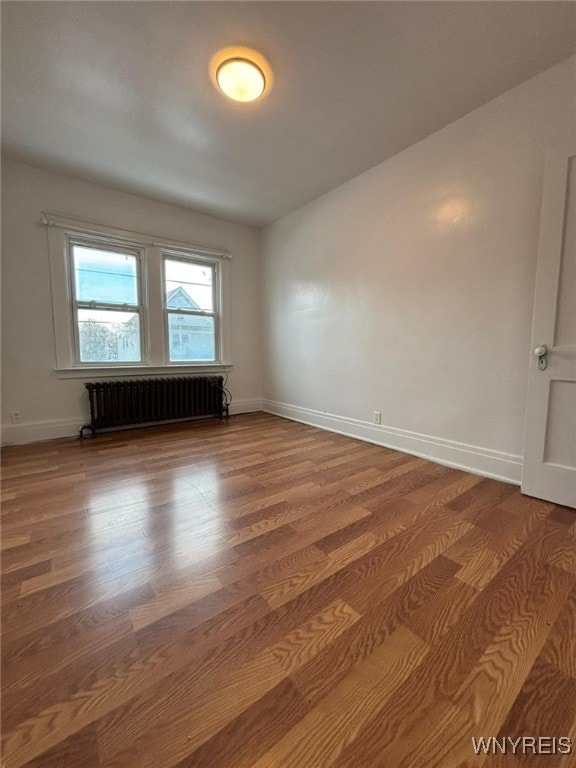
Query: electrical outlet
(377,417)
(16,417)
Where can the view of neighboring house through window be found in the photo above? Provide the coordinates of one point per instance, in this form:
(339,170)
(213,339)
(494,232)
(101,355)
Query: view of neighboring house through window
(191,309)
(106,300)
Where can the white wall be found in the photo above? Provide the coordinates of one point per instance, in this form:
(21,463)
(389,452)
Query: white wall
(409,289)
(52,407)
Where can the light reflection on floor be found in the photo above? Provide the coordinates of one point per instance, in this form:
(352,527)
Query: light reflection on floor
(195,524)
(116,541)
(180,515)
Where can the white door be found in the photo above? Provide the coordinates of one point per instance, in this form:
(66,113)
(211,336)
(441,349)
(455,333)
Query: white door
(549,468)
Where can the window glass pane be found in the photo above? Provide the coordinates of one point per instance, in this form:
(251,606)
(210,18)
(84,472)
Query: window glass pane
(105,276)
(188,285)
(108,337)
(191,337)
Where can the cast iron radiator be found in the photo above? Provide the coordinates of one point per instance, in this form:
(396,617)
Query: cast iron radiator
(145,401)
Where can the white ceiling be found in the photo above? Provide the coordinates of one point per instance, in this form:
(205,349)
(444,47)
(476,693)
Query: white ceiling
(120,93)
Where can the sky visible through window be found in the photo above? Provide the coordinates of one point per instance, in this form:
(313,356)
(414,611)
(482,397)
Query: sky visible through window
(105,276)
(111,278)
(195,279)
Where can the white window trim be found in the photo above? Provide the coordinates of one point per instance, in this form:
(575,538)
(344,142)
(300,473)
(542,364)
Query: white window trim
(87,372)
(154,353)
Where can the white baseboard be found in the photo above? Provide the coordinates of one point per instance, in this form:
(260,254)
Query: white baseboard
(38,431)
(471,458)
(246,406)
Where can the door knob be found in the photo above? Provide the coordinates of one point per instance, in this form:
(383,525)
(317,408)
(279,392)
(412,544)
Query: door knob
(540,352)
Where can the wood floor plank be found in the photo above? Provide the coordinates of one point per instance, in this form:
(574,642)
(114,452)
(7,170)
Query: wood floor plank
(444,681)
(257,593)
(34,714)
(443,611)
(20,576)
(171,598)
(321,736)
(306,641)
(316,679)
(560,647)
(528,717)
(16,540)
(148,733)
(289,587)
(54,649)
(484,495)
(494,681)
(395,561)
(79,750)
(246,738)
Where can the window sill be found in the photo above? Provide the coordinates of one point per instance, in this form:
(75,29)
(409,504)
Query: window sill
(102,372)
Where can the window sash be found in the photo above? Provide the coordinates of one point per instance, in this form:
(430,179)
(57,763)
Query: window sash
(199,312)
(101,244)
(198,261)
(214,337)
(108,363)
(108,305)
(215,313)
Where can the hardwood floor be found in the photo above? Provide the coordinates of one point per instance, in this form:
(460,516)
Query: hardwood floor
(259,593)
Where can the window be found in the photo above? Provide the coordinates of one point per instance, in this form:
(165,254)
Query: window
(122,301)
(106,303)
(190,304)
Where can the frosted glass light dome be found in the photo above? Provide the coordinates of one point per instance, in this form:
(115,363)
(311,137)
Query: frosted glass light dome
(240,79)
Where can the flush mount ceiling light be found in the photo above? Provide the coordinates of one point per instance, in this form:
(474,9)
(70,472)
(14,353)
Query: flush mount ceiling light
(241,74)
(240,80)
